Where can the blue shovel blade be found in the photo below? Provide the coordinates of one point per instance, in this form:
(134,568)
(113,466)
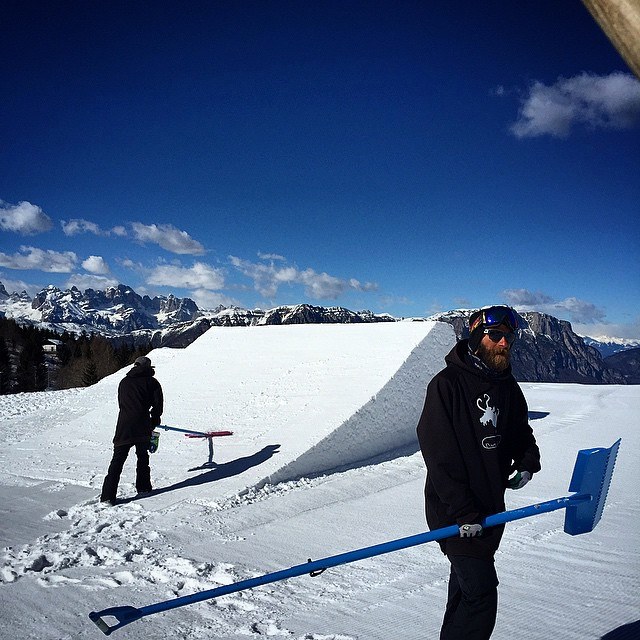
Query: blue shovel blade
(591,477)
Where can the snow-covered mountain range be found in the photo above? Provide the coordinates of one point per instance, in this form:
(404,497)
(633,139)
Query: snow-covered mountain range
(117,311)
(549,350)
(112,312)
(609,346)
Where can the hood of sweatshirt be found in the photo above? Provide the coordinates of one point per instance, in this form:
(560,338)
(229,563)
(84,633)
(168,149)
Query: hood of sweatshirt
(461,356)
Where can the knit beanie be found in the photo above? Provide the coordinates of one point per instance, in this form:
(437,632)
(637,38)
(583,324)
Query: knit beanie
(476,331)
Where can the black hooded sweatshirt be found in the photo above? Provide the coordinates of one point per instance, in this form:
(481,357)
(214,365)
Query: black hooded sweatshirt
(473,432)
(141,402)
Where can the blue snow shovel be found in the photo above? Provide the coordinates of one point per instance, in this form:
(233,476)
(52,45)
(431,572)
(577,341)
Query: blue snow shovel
(590,483)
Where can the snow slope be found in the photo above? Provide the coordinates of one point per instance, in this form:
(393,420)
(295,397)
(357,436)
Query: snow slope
(323,460)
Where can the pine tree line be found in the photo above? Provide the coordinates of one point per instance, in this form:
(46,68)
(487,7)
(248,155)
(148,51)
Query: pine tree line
(77,361)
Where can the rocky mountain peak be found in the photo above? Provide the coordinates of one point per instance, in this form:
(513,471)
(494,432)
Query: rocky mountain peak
(547,351)
(114,312)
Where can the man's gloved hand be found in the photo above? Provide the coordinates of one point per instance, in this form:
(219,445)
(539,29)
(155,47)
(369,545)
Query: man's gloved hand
(518,480)
(470,530)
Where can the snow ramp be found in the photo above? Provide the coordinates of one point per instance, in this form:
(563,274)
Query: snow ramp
(300,399)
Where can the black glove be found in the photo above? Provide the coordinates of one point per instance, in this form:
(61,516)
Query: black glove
(470,530)
(155,421)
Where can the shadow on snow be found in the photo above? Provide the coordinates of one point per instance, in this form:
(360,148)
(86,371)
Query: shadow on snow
(217,472)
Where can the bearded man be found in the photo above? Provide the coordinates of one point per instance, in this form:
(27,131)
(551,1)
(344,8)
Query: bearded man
(476,442)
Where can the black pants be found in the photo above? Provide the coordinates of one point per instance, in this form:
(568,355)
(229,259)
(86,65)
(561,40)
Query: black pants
(143,471)
(472,602)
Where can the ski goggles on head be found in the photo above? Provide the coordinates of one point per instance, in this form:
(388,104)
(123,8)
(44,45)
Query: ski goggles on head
(494,317)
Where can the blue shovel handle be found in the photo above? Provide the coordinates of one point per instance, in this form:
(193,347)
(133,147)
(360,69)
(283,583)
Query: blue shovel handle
(125,615)
(591,479)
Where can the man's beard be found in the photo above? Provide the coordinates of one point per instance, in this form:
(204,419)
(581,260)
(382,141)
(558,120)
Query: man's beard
(496,358)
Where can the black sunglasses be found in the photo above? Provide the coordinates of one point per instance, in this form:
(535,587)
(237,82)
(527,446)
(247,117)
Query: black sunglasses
(496,336)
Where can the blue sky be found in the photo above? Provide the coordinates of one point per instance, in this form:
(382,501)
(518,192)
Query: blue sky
(404,157)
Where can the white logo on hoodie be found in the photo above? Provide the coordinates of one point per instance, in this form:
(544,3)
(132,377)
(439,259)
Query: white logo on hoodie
(489,417)
(489,413)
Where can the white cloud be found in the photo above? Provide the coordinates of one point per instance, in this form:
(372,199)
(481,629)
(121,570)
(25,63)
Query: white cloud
(571,308)
(84,281)
(360,286)
(168,237)
(38,259)
(609,102)
(603,330)
(581,310)
(199,276)
(271,256)
(80,225)
(18,286)
(322,285)
(127,263)
(526,298)
(24,218)
(210,300)
(267,278)
(96,265)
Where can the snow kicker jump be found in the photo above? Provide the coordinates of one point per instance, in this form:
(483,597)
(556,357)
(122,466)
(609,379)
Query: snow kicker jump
(589,483)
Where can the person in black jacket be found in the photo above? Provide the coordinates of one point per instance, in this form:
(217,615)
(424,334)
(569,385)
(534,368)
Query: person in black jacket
(140,401)
(476,441)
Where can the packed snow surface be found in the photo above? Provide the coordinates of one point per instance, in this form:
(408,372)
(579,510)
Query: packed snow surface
(323,459)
